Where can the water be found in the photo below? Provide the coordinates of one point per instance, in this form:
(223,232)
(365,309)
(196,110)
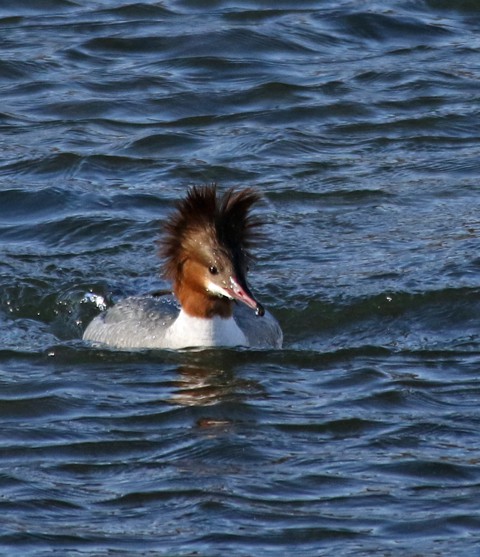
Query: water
(359,121)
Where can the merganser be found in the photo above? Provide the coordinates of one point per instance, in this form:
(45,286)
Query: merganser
(206,249)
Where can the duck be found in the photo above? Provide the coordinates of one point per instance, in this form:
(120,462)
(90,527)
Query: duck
(206,249)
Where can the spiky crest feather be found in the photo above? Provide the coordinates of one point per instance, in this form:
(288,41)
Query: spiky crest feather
(226,221)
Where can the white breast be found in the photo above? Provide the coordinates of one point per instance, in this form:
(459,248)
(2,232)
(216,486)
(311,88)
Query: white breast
(187,331)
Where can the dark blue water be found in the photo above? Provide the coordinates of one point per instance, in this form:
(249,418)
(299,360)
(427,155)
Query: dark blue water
(360,124)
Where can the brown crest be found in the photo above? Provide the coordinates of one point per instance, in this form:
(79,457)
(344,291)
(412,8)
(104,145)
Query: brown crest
(225,223)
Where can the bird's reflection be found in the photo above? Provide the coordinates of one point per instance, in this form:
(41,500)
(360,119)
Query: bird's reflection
(199,386)
(207,386)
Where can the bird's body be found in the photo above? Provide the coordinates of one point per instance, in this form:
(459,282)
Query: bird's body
(206,254)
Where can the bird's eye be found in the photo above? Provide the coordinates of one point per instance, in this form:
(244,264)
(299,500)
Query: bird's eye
(213,270)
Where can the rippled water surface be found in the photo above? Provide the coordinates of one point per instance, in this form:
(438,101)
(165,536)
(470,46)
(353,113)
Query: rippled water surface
(359,121)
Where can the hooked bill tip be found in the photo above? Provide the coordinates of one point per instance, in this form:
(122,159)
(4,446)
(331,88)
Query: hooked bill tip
(259,310)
